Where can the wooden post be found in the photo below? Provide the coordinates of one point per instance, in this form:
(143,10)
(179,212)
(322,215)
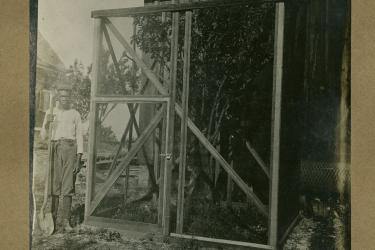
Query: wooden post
(170,127)
(162,166)
(156,154)
(162,139)
(90,177)
(127,169)
(183,141)
(276,123)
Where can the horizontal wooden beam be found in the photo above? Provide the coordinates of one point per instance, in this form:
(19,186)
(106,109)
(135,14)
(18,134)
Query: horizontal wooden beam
(155,9)
(205,142)
(132,99)
(121,224)
(258,159)
(222,241)
(129,156)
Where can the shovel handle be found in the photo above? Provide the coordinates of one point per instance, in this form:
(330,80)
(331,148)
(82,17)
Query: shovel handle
(50,156)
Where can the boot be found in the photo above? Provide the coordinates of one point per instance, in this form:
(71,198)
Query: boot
(67,204)
(54,209)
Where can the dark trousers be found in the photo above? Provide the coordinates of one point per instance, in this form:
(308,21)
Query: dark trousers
(64,160)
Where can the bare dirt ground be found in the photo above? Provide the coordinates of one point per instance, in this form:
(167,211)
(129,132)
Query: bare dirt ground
(308,234)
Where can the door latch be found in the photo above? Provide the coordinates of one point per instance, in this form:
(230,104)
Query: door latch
(167,156)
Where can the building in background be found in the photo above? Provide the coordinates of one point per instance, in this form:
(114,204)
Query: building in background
(50,71)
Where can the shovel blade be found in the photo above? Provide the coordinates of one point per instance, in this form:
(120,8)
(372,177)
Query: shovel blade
(46,223)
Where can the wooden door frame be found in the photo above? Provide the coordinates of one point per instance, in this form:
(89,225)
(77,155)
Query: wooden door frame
(102,23)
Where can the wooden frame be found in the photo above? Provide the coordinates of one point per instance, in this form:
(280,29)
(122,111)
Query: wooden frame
(121,224)
(166,93)
(193,128)
(276,123)
(133,151)
(98,37)
(132,99)
(185,107)
(93,199)
(168,163)
(174,7)
(220,241)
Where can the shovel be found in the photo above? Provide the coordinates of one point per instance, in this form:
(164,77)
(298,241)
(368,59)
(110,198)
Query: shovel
(45,219)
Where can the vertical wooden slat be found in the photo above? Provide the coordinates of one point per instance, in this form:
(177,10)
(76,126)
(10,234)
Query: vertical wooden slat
(163,141)
(170,132)
(162,167)
(276,123)
(183,140)
(90,177)
(156,154)
(127,169)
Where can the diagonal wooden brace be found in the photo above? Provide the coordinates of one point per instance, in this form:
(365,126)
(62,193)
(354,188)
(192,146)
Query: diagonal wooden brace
(126,161)
(122,142)
(132,108)
(206,143)
(258,159)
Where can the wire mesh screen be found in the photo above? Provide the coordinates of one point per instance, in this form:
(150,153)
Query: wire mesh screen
(230,81)
(126,171)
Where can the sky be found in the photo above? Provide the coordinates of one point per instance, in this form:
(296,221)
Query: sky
(68,27)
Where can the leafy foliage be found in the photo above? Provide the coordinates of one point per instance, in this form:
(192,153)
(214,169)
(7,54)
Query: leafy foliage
(121,81)
(230,47)
(81,90)
(81,86)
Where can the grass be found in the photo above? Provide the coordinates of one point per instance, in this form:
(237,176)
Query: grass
(214,220)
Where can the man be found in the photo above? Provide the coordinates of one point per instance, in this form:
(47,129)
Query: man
(67,149)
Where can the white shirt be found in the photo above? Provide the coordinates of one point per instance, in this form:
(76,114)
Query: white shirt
(67,124)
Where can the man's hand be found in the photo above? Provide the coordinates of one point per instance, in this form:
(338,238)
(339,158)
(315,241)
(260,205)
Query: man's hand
(50,117)
(78,164)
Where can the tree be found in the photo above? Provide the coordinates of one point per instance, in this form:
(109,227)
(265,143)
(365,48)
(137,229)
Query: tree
(230,47)
(81,87)
(109,84)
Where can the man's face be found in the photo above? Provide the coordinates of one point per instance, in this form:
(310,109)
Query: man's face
(65,98)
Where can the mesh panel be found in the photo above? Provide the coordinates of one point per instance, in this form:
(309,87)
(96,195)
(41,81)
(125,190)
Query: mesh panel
(322,176)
